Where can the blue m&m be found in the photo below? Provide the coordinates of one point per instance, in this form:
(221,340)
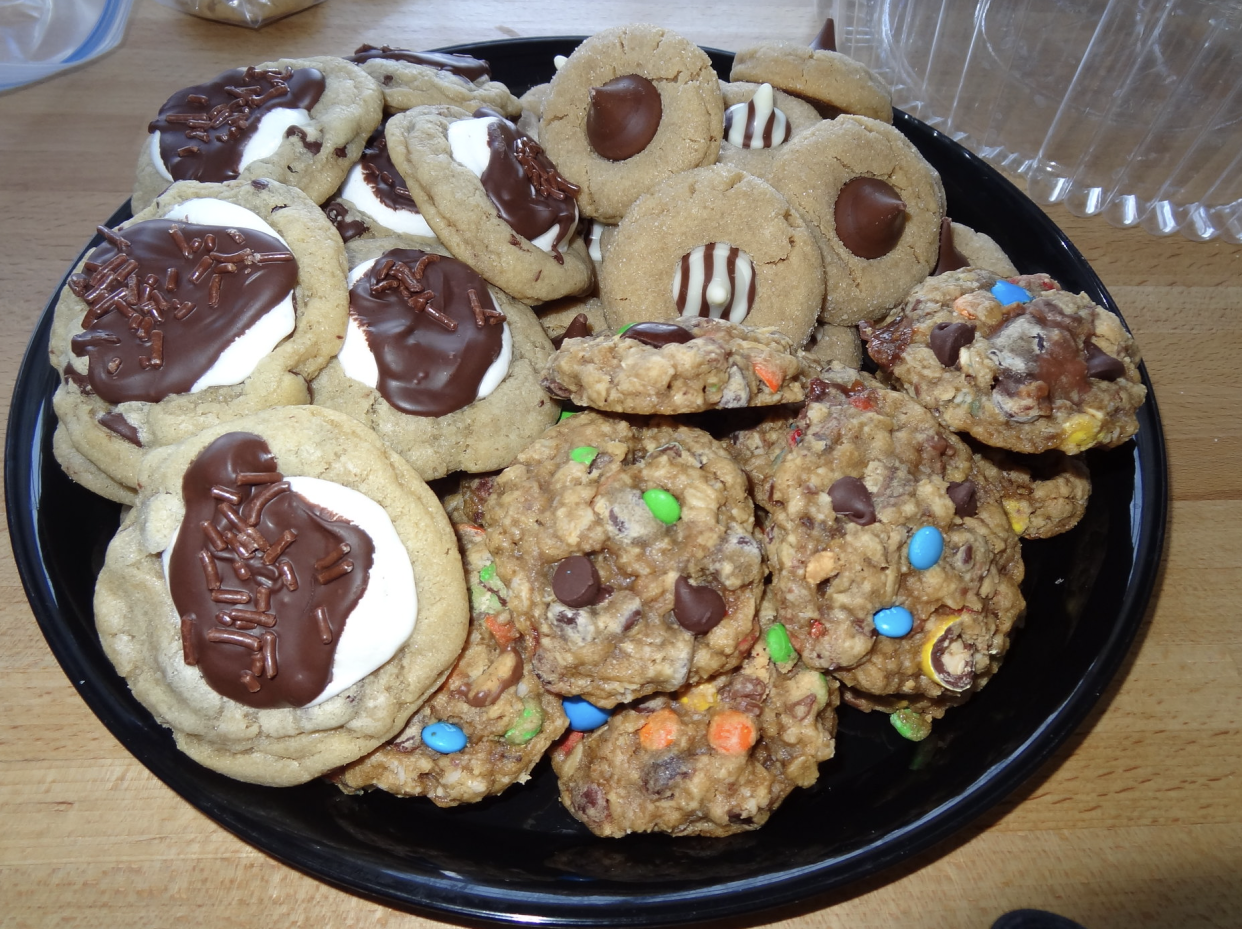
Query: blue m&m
(893,622)
(1008,293)
(583,716)
(444,738)
(925,548)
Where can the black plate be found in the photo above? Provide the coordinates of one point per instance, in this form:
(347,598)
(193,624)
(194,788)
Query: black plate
(521,857)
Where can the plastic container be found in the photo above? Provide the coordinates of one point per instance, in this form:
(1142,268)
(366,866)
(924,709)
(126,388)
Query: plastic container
(39,38)
(1130,109)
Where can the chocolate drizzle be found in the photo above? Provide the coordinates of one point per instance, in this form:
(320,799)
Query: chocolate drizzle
(432,326)
(382,176)
(204,129)
(623,116)
(463,66)
(255,572)
(167,298)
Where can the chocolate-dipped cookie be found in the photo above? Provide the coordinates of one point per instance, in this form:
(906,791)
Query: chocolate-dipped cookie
(411,79)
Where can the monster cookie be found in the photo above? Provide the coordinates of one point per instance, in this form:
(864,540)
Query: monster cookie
(630,107)
(494,199)
(758,121)
(375,195)
(444,368)
(216,301)
(628,551)
(411,79)
(832,82)
(284,594)
(875,206)
(1017,363)
(714,242)
(714,759)
(688,366)
(893,565)
(490,721)
(1044,495)
(300,121)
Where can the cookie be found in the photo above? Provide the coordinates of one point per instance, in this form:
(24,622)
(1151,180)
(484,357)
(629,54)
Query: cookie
(375,195)
(829,343)
(963,247)
(715,759)
(893,565)
(532,109)
(283,596)
(298,121)
(1044,495)
(758,121)
(628,550)
(494,199)
(1017,363)
(691,365)
(714,242)
(832,82)
(875,205)
(631,106)
(444,368)
(558,318)
(488,724)
(217,301)
(411,79)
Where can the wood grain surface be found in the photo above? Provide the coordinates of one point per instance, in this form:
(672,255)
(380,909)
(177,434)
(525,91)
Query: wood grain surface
(1137,820)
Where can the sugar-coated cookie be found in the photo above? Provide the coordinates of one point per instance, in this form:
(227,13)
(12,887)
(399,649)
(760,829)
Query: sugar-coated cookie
(758,121)
(835,83)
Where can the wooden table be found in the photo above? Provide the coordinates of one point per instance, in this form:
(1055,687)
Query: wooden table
(1137,820)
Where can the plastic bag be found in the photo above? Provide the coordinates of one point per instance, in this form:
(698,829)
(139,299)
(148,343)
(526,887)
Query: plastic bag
(38,38)
(252,13)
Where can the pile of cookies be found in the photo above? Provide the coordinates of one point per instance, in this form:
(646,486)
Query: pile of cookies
(617,324)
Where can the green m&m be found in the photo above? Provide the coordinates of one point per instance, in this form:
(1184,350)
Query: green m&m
(663,505)
(584,454)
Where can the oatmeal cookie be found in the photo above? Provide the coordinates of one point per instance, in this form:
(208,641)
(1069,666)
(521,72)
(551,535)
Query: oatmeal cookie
(445,399)
(284,594)
(832,82)
(628,549)
(714,759)
(1017,363)
(688,366)
(1044,495)
(298,121)
(411,79)
(630,107)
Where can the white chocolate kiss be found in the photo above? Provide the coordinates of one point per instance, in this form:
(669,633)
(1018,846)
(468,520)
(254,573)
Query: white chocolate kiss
(751,123)
(238,361)
(358,192)
(383,618)
(358,361)
(266,139)
(467,140)
(710,286)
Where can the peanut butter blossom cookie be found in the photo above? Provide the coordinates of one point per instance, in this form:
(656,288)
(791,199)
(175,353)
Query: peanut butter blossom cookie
(215,302)
(300,121)
(444,368)
(894,566)
(411,79)
(493,198)
(628,551)
(713,759)
(758,120)
(832,82)
(1017,363)
(283,596)
(630,107)
(688,366)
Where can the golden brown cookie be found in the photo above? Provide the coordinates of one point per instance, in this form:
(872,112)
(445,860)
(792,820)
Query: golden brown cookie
(411,79)
(835,83)
(758,121)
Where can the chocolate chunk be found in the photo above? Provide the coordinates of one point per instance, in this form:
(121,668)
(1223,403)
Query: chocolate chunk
(657,335)
(870,217)
(948,339)
(658,776)
(697,609)
(950,258)
(826,41)
(851,498)
(1101,365)
(338,213)
(965,497)
(115,422)
(623,117)
(576,582)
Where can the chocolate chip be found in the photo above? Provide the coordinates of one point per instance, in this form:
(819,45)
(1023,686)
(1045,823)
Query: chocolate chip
(576,582)
(697,609)
(658,776)
(851,498)
(1101,365)
(657,335)
(948,339)
(623,117)
(950,258)
(965,497)
(870,217)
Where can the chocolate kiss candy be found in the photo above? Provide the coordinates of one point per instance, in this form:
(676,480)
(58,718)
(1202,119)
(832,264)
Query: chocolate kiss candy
(826,41)
(657,334)
(697,609)
(950,258)
(578,328)
(851,498)
(870,217)
(576,582)
(1102,365)
(965,497)
(623,116)
(948,339)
